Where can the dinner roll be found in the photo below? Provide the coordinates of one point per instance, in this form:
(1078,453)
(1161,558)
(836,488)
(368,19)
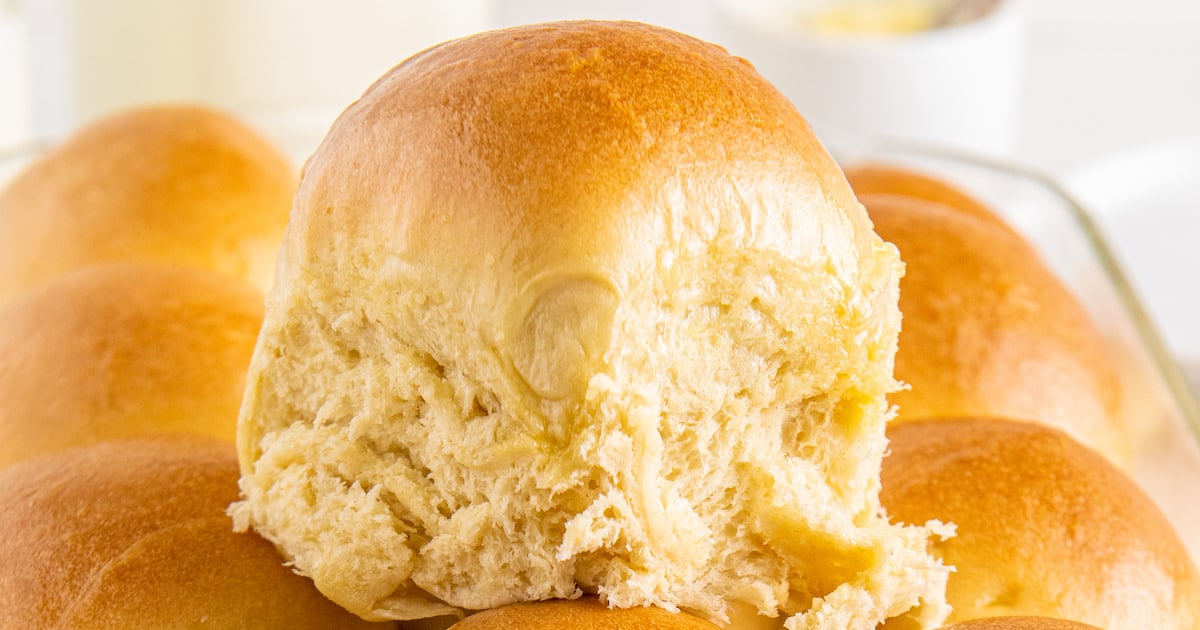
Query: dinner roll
(875,178)
(990,331)
(1020,623)
(1045,525)
(178,184)
(122,350)
(581,306)
(133,534)
(585,613)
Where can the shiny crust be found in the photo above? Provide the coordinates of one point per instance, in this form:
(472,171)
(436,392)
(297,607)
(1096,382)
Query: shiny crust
(1045,525)
(176,184)
(124,350)
(870,179)
(503,170)
(133,534)
(586,613)
(1020,623)
(990,331)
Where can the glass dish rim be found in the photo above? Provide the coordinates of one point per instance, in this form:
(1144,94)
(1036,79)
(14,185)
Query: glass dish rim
(1169,369)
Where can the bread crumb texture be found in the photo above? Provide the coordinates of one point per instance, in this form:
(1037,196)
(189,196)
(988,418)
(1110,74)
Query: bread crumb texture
(582,308)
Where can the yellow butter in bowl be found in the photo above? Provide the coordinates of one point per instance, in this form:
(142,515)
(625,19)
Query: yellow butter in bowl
(883,18)
(893,17)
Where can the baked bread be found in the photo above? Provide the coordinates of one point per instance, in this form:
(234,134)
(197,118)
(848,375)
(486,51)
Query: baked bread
(585,613)
(1045,526)
(179,184)
(122,350)
(1020,623)
(990,331)
(133,534)
(876,178)
(581,306)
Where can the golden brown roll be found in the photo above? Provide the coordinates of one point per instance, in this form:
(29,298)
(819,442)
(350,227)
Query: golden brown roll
(581,306)
(1020,623)
(990,331)
(133,534)
(177,184)
(869,179)
(1045,526)
(585,613)
(123,350)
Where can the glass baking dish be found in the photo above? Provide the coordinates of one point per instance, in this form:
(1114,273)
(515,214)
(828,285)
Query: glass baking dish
(1158,401)
(1157,397)
(1147,200)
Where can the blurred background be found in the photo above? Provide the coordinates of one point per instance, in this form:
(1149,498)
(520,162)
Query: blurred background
(1103,95)
(1054,83)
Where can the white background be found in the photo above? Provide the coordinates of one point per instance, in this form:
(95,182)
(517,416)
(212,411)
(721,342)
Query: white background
(1100,75)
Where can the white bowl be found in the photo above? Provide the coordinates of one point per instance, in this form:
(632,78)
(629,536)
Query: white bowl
(956,86)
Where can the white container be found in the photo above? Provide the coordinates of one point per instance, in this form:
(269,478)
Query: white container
(957,86)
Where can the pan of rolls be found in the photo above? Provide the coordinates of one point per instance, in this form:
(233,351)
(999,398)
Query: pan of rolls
(574,325)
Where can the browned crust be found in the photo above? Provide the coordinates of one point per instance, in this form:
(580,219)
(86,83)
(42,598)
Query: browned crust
(1020,623)
(124,350)
(179,184)
(586,613)
(989,330)
(134,534)
(1045,525)
(874,178)
(558,141)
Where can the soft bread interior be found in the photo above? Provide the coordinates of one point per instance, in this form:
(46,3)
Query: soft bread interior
(647,361)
